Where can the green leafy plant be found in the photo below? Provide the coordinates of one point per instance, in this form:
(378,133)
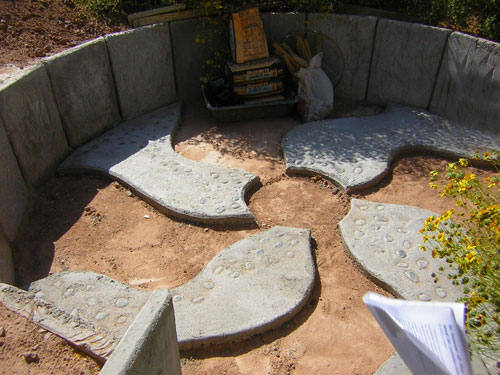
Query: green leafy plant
(470,244)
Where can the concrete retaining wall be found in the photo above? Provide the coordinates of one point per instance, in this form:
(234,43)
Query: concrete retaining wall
(468,86)
(190,57)
(354,37)
(277,26)
(150,344)
(143,70)
(405,63)
(31,118)
(84,90)
(14,194)
(6,263)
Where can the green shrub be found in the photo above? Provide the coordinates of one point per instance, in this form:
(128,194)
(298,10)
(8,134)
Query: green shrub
(470,244)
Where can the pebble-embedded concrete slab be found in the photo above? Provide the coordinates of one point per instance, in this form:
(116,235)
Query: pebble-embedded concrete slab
(356,152)
(383,239)
(106,303)
(252,286)
(80,333)
(139,153)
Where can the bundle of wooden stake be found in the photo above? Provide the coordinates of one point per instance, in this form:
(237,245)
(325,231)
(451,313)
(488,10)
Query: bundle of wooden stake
(295,61)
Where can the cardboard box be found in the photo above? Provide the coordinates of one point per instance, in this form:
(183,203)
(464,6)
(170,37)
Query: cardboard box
(247,39)
(258,89)
(254,71)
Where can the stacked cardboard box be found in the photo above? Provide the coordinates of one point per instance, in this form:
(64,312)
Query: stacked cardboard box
(252,74)
(256,79)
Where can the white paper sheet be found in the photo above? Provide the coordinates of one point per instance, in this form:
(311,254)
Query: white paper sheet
(429,336)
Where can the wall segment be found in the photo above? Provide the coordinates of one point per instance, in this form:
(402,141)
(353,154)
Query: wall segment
(84,89)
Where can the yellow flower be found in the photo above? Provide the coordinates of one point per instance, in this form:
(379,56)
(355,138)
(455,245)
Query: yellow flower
(425,238)
(440,237)
(463,162)
(447,214)
(470,257)
(486,155)
(433,185)
(433,173)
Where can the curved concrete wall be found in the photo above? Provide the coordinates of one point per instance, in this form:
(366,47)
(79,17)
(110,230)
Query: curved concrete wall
(78,94)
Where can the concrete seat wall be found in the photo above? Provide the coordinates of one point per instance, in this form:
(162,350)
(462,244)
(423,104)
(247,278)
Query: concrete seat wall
(74,96)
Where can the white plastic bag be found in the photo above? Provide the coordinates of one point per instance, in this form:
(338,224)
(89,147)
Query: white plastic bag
(315,91)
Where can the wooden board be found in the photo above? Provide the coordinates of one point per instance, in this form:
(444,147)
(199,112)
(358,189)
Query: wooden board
(157,11)
(170,17)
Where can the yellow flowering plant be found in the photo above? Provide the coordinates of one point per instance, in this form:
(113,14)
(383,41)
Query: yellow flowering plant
(470,244)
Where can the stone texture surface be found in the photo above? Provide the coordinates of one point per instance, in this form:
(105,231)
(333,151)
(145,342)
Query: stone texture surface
(190,58)
(142,65)
(31,119)
(80,333)
(405,63)
(356,152)
(252,286)
(150,343)
(84,90)
(6,263)
(140,154)
(383,239)
(108,305)
(277,26)
(14,194)
(354,36)
(394,366)
(468,85)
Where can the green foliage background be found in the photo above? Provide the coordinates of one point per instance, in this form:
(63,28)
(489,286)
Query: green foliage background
(478,17)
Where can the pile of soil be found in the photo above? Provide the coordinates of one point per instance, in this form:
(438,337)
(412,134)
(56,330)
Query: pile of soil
(32,29)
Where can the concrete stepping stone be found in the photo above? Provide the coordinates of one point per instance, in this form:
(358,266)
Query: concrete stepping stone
(108,304)
(88,310)
(139,153)
(250,287)
(383,239)
(356,152)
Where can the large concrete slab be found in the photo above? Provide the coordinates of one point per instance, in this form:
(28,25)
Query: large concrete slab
(72,328)
(356,152)
(108,305)
(139,153)
(31,118)
(278,25)
(150,343)
(405,64)
(252,286)
(84,89)
(384,238)
(468,85)
(190,57)
(6,262)
(354,36)
(14,194)
(142,65)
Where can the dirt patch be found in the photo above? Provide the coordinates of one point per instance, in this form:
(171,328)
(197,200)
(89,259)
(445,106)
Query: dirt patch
(27,349)
(91,223)
(32,29)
